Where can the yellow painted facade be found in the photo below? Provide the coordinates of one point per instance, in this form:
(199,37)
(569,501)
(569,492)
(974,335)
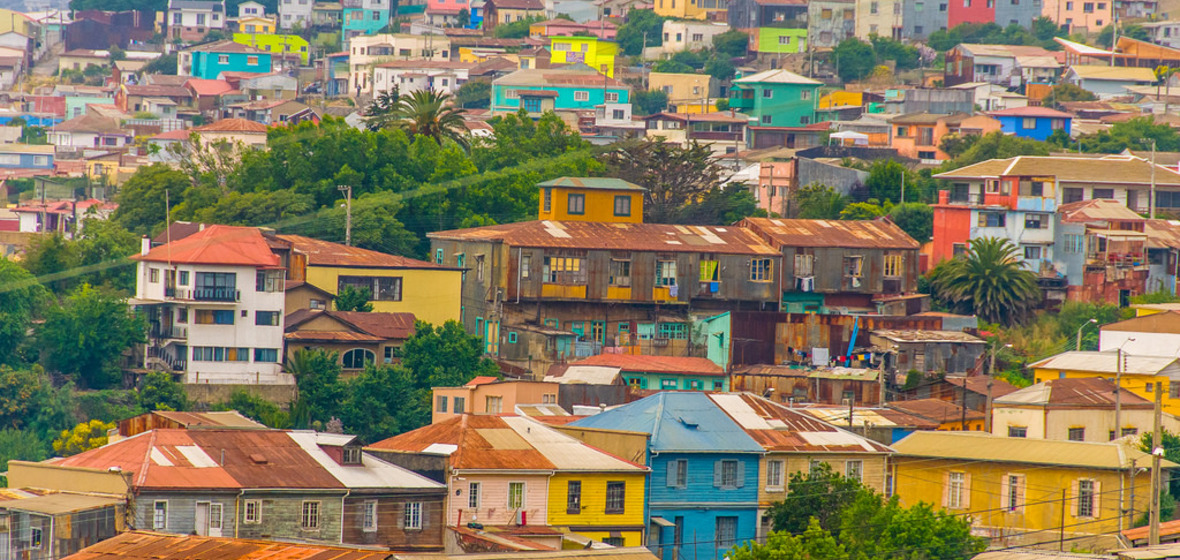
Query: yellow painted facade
(256,25)
(984,490)
(597,205)
(872,468)
(841,99)
(432,295)
(591,520)
(591,51)
(682,9)
(471,55)
(1139,384)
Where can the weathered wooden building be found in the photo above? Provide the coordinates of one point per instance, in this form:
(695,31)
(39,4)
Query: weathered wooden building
(928,352)
(842,266)
(793,384)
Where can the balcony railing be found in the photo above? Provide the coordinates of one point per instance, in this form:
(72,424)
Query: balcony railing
(711,135)
(173,332)
(217,294)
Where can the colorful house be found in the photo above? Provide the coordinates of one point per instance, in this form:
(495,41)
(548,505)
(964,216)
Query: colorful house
(564,88)
(780,40)
(1073,409)
(776,98)
(919,135)
(591,199)
(208,61)
(1014,493)
(489,395)
(364,17)
(1037,123)
(704,488)
(666,373)
(252,24)
(279,45)
(593,52)
(497,12)
(1141,375)
(512,470)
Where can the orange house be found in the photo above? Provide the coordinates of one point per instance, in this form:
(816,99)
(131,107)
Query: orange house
(488,395)
(918,135)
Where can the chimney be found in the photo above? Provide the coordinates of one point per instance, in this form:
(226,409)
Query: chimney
(944,197)
(145,245)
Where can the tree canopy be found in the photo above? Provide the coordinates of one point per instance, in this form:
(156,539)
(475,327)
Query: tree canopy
(989,281)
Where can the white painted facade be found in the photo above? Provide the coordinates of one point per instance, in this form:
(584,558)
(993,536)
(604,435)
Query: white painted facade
(689,35)
(1144,343)
(366,51)
(408,80)
(188,319)
(293,13)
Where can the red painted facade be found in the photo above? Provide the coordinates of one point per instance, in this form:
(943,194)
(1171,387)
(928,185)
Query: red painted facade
(970,11)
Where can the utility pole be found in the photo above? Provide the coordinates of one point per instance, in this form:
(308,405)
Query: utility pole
(1153,524)
(902,201)
(1118,401)
(1151,201)
(347,190)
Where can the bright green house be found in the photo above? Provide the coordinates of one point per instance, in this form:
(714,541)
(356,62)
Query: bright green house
(776,98)
(276,44)
(665,373)
(777,40)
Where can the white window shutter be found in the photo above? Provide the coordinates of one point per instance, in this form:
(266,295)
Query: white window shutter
(1097,500)
(946,489)
(741,474)
(1005,503)
(1020,493)
(1073,497)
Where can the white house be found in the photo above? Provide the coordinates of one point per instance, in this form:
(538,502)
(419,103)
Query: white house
(251,8)
(191,20)
(687,36)
(365,51)
(1157,334)
(90,131)
(214,301)
(420,75)
(295,13)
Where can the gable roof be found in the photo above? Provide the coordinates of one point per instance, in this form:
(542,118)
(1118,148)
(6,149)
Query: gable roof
(217,244)
(1031,112)
(678,422)
(620,236)
(1107,363)
(1097,210)
(778,428)
(327,253)
(1107,169)
(201,86)
(880,234)
(936,410)
(1113,73)
(557,77)
(233,125)
(978,446)
(1073,393)
(778,76)
(654,364)
(384,326)
(226,46)
(1167,322)
(489,442)
(91,122)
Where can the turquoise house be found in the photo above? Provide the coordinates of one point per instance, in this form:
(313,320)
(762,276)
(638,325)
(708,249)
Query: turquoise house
(76,106)
(666,373)
(576,87)
(367,17)
(702,494)
(713,334)
(776,98)
(208,61)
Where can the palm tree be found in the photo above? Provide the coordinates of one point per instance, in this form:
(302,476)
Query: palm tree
(989,280)
(428,113)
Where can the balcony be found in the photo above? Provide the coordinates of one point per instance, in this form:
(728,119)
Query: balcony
(711,135)
(225,295)
(169,333)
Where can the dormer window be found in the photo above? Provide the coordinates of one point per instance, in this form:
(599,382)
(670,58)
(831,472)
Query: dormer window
(351,456)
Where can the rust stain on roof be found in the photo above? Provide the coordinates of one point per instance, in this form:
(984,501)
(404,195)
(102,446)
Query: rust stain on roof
(617,236)
(326,253)
(869,234)
(143,545)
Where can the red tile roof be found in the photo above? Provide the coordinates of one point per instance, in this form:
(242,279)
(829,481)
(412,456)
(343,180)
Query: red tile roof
(326,253)
(208,87)
(217,244)
(178,134)
(474,450)
(654,364)
(234,125)
(377,325)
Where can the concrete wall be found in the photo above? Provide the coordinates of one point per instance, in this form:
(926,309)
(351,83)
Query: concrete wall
(281,395)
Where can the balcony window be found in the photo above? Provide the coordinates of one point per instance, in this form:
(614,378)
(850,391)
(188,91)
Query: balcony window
(564,270)
(992,219)
(216,286)
(620,273)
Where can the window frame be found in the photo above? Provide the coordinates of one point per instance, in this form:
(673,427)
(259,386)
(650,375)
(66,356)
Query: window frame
(575,204)
(616,497)
(573,497)
(412,516)
(309,515)
(252,517)
(774,474)
(520,488)
(160,521)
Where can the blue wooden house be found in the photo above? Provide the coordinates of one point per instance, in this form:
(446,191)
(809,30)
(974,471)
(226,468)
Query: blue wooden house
(208,61)
(1037,123)
(703,493)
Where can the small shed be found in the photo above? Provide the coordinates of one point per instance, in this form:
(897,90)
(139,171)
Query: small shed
(946,352)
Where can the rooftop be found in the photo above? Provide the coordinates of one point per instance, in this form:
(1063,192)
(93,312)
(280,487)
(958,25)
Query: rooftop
(327,253)
(381,326)
(1031,112)
(778,76)
(1114,73)
(598,183)
(1097,210)
(1072,393)
(937,410)
(654,364)
(880,234)
(225,47)
(617,236)
(557,77)
(1107,363)
(928,336)
(677,422)
(143,545)
(1109,169)
(779,428)
(217,244)
(978,446)
(233,125)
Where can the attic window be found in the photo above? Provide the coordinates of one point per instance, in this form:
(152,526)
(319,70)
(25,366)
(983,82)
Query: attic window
(351,456)
(259,459)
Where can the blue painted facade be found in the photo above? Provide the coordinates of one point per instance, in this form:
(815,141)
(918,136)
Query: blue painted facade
(1036,128)
(210,64)
(18,156)
(363,21)
(703,491)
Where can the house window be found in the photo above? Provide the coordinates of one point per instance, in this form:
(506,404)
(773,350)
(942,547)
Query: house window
(1103,193)
(160,516)
(515,494)
(581,96)
(1077,434)
(854,470)
(459,405)
(1017,431)
(1086,494)
(252,512)
(726,531)
(573,497)
(760,270)
(266,318)
(669,384)
(665,273)
(251,60)
(309,519)
(623,205)
(782,41)
(266,355)
(357,358)
(563,270)
(223,59)
(768,93)
(380,288)
(1035,221)
(1014,492)
(992,219)
(473,491)
(370,516)
(678,473)
(765,119)
(1032,252)
(526,263)
(612,97)
(674,331)
(576,204)
(804,264)
(1028,123)
(214,317)
(727,477)
(620,273)
(154,275)
(805,94)
(616,496)
(956,490)
(853,266)
(893,264)
(493,405)
(441,403)
(774,475)
(267,281)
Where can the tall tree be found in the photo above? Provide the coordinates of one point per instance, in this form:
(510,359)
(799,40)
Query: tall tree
(21,297)
(989,281)
(854,59)
(159,391)
(642,28)
(446,356)
(819,202)
(85,337)
(141,199)
(350,298)
(915,218)
(426,113)
(674,176)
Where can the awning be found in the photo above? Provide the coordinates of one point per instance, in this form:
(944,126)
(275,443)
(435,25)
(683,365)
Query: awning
(662,522)
(856,137)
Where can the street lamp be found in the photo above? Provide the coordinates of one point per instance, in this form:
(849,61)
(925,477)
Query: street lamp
(1091,321)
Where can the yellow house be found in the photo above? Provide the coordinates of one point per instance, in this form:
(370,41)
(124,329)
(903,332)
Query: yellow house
(1141,375)
(591,199)
(591,51)
(432,292)
(278,44)
(841,98)
(1023,491)
(689,9)
(1145,309)
(687,93)
(255,25)
(603,505)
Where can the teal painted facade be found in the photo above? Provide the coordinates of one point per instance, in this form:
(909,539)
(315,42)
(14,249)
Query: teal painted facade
(209,65)
(568,97)
(803,302)
(776,98)
(713,333)
(362,21)
(675,381)
(76,106)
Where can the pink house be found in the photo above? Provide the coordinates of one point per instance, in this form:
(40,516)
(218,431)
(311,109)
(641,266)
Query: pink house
(445,12)
(775,179)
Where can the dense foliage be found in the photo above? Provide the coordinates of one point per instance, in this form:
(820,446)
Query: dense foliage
(989,281)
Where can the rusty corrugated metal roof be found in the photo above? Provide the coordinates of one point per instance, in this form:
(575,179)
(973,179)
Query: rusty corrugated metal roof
(779,428)
(143,545)
(617,236)
(326,253)
(936,410)
(869,234)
